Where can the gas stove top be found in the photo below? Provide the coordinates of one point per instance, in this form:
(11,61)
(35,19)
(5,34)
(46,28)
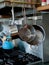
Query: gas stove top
(17,57)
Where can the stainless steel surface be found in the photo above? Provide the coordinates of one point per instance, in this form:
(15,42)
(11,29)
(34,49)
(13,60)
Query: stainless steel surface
(45,23)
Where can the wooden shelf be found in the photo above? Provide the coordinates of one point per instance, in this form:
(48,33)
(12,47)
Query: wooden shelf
(43,8)
(31,3)
(16,4)
(25,3)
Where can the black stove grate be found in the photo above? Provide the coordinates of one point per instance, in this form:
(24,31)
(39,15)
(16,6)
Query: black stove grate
(16,57)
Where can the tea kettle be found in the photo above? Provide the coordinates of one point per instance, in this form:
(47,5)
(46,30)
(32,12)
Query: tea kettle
(7,44)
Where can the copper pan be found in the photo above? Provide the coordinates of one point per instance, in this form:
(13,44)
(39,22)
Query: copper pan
(28,34)
(32,31)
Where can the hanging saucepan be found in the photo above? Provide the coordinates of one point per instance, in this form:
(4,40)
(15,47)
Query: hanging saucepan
(32,34)
(27,33)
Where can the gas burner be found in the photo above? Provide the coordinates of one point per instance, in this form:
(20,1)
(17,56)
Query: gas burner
(17,57)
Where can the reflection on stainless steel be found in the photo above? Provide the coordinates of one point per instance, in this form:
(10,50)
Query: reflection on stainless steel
(13,29)
(9,29)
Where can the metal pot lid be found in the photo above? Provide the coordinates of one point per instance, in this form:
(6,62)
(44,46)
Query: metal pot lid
(40,33)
